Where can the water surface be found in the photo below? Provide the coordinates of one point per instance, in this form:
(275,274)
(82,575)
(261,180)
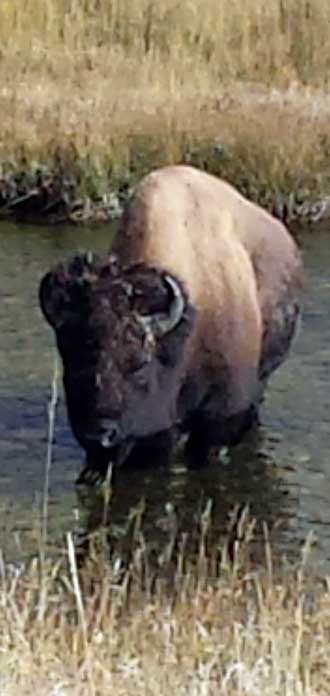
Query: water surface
(282,472)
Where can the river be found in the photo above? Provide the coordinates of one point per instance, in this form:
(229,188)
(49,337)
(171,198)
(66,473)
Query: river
(282,472)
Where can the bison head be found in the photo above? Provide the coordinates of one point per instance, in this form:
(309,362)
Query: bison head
(121,334)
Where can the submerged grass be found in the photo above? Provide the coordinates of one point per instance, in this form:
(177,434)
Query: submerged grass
(99,92)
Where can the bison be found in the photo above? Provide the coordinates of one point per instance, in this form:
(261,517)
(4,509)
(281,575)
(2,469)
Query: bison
(178,329)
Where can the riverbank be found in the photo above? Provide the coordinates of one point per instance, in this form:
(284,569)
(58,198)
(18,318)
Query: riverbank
(95,95)
(274,145)
(219,624)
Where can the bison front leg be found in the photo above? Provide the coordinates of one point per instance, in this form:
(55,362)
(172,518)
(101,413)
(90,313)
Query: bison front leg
(153,451)
(91,474)
(206,434)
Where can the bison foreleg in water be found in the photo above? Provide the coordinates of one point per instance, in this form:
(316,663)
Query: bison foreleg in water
(152,452)
(206,434)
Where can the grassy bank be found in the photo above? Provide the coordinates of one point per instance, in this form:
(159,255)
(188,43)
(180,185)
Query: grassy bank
(205,627)
(94,94)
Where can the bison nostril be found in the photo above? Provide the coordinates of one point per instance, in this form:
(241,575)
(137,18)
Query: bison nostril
(109,433)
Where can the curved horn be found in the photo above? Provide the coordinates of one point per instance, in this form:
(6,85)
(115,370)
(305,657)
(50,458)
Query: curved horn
(162,323)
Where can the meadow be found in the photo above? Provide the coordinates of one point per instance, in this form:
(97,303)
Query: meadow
(95,93)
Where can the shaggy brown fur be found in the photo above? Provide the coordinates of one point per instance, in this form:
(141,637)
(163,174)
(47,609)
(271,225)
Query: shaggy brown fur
(241,269)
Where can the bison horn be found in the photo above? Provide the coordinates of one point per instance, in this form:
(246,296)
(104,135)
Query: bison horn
(162,323)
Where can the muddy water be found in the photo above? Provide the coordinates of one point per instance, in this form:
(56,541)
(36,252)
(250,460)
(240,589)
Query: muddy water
(282,471)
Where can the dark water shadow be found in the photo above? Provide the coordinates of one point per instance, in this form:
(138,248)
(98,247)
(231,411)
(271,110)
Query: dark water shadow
(173,500)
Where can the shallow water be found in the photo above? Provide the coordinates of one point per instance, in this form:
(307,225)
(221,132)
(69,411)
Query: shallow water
(282,471)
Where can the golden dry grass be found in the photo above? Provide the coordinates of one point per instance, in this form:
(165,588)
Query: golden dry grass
(111,89)
(197,627)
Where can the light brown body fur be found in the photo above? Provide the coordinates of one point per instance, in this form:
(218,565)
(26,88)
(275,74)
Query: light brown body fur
(238,264)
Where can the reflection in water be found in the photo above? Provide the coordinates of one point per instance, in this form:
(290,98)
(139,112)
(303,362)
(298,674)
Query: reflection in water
(250,478)
(282,471)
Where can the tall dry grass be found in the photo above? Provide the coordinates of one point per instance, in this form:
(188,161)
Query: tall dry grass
(262,41)
(107,90)
(199,626)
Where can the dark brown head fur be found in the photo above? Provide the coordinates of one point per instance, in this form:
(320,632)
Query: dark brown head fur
(122,366)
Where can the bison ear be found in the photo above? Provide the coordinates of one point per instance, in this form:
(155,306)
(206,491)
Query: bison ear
(54,301)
